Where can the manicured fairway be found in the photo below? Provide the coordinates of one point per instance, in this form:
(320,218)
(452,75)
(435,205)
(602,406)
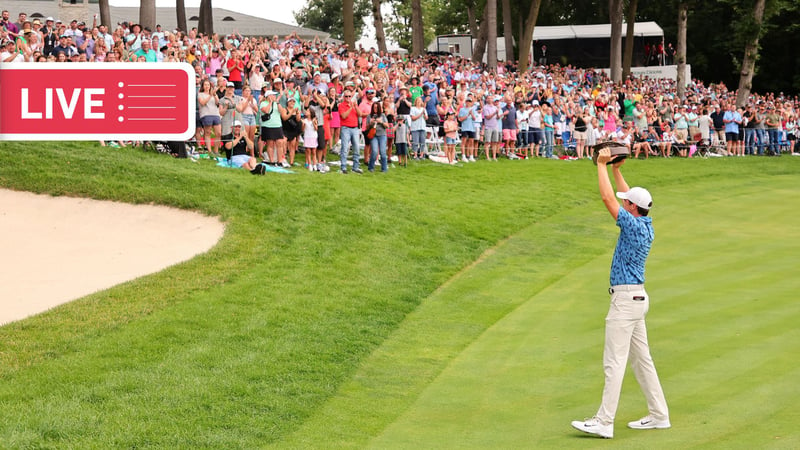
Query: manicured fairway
(434,307)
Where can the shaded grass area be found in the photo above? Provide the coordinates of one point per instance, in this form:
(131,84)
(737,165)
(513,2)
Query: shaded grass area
(239,347)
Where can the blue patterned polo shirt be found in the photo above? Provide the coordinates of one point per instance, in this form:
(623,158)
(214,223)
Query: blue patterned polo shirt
(635,238)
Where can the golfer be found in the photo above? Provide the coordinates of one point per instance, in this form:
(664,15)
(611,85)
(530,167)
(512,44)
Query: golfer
(626,333)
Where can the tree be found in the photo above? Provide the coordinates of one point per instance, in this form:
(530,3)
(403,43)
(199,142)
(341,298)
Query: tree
(615,63)
(105,14)
(326,16)
(479,49)
(380,35)
(417,30)
(348,23)
(527,35)
(180,15)
(206,23)
(750,55)
(508,35)
(147,13)
(627,59)
(491,34)
(680,51)
(473,24)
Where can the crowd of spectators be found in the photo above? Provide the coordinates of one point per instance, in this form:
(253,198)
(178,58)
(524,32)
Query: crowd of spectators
(281,92)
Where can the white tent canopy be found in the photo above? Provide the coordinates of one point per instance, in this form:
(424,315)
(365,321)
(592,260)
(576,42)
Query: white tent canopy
(641,29)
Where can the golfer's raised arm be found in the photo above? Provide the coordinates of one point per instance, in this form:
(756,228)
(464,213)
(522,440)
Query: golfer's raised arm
(604,182)
(619,180)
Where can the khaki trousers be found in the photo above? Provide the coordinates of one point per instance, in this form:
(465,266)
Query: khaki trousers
(626,340)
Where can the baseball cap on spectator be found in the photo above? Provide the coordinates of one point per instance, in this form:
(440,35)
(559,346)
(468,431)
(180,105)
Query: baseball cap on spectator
(49,19)
(37,22)
(638,196)
(230,84)
(270,92)
(335,75)
(277,80)
(536,103)
(236,123)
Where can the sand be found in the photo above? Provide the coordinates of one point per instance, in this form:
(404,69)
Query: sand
(57,249)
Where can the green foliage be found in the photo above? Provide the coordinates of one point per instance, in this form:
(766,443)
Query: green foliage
(326,15)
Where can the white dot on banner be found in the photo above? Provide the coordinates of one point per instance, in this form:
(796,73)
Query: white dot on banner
(121,84)
(121,107)
(120,118)
(121,96)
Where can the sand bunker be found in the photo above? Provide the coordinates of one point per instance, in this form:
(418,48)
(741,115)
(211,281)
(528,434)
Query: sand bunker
(57,249)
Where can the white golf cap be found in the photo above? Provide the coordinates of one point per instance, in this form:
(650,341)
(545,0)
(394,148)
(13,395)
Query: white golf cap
(638,196)
(236,123)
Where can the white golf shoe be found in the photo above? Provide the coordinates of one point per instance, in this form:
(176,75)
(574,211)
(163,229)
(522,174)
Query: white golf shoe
(594,426)
(649,423)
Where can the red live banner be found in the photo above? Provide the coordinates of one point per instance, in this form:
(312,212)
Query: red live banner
(97,101)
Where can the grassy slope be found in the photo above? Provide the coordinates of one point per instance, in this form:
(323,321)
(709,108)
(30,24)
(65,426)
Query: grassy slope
(239,347)
(722,333)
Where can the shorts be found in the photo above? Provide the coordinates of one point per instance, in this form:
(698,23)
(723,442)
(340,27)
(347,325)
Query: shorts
(450,141)
(401,149)
(580,135)
(731,137)
(468,134)
(209,121)
(491,136)
(240,160)
(681,134)
(248,119)
(509,135)
(538,136)
(271,134)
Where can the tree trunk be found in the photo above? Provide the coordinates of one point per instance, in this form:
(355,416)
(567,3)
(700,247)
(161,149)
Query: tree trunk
(491,34)
(630,39)
(147,13)
(206,23)
(180,15)
(348,22)
(680,51)
(473,24)
(105,15)
(417,31)
(380,36)
(527,36)
(750,56)
(480,43)
(508,35)
(615,62)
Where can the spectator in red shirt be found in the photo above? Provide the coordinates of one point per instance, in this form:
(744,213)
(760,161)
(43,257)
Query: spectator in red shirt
(235,69)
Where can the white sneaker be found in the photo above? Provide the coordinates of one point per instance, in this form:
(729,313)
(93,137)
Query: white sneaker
(471,159)
(594,426)
(649,423)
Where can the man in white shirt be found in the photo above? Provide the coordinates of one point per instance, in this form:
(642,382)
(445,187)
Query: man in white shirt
(10,53)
